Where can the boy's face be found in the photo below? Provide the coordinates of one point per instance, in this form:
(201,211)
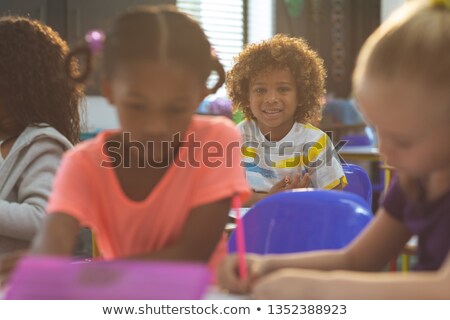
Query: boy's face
(412,124)
(273,101)
(154,101)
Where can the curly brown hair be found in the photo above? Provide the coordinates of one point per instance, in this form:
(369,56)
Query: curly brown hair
(279,52)
(34,87)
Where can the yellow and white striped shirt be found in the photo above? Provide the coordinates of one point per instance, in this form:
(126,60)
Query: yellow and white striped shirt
(304,149)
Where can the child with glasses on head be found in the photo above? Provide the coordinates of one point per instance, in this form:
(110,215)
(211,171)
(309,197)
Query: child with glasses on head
(403,67)
(279,85)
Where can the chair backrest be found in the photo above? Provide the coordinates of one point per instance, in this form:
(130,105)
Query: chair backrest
(353,140)
(358,182)
(303,220)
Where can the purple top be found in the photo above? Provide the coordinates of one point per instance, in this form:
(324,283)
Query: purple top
(429,220)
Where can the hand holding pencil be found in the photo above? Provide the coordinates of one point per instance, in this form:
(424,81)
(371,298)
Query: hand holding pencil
(229,276)
(238,272)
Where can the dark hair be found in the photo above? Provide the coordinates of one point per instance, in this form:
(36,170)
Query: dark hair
(279,52)
(34,87)
(155,33)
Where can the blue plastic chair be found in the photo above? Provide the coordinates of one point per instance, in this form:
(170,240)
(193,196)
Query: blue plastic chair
(358,182)
(303,220)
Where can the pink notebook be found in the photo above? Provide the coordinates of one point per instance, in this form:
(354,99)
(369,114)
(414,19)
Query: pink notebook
(49,278)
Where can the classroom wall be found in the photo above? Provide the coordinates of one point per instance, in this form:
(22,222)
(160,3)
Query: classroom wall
(335,29)
(101,115)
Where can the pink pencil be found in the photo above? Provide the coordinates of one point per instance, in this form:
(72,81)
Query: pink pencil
(240,238)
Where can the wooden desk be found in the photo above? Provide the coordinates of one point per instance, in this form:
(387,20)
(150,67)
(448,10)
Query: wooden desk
(367,153)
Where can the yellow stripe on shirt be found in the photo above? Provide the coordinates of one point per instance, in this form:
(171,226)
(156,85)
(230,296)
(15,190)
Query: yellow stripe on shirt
(289,163)
(249,152)
(319,146)
(341,181)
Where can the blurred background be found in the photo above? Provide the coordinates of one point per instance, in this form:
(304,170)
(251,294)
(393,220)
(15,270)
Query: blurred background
(335,28)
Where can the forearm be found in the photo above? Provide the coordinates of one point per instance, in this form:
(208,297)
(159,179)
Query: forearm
(57,236)
(303,284)
(413,285)
(201,233)
(176,252)
(317,260)
(21,216)
(367,252)
(21,220)
(352,285)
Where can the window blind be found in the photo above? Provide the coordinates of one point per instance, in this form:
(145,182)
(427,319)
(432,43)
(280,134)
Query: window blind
(229,24)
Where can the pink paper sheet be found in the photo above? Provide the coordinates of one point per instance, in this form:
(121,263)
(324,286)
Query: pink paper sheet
(49,278)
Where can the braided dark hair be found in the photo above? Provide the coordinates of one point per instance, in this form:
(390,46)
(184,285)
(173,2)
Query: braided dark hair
(154,33)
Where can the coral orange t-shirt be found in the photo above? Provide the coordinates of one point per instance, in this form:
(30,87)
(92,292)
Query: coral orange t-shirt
(89,191)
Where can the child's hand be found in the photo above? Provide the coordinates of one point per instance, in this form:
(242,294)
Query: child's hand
(8,263)
(287,183)
(280,186)
(228,272)
(299,181)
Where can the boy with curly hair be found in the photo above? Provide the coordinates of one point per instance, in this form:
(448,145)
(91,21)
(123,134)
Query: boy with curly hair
(278,84)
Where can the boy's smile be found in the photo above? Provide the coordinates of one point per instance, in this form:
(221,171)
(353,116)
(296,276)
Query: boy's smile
(273,102)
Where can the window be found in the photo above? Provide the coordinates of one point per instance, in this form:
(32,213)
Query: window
(230,24)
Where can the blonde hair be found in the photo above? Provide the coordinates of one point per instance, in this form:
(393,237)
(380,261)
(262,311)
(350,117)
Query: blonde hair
(413,44)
